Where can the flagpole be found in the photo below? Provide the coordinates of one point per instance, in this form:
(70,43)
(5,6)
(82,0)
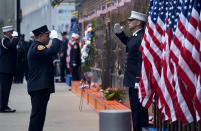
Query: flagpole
(18,16)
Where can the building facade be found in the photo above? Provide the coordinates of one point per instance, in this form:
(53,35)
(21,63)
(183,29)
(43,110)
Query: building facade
(37,13)
(61,16)
(7,13)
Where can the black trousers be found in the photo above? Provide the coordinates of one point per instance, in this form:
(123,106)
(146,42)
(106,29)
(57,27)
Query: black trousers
(75,73)
(5,87)
(39,101)
(139,113)
(19,76)
(63,70)
(26,71)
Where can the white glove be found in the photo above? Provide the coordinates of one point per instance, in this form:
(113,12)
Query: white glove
(54,34)
(74,65)
(117,28)
(14,34)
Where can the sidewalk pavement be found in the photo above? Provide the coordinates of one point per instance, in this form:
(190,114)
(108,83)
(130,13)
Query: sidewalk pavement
(62,112)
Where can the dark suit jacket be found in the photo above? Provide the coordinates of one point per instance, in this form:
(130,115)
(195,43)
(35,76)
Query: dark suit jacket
(40,64)
(8,55)
(133,57)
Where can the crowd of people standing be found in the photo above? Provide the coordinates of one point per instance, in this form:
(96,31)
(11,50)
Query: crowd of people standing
(21,67)
(34,61)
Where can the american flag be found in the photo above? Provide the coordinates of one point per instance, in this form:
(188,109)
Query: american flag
(170,47)
(145,92)
(197,57)
(153,52)
(189,53)
(70,43)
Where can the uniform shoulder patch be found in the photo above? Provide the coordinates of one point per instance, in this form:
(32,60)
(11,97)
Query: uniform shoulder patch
(41,47)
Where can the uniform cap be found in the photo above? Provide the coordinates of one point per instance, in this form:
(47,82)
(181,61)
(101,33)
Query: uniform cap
(74,35)
(7,28)
(22,35)
(64,33)
(41,30)
(137,16)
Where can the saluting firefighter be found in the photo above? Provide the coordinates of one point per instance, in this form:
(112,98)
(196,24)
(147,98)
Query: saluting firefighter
(41,74)
(8,55)
(136,23)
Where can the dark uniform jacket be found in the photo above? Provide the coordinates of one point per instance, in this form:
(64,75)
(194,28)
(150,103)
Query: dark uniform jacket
(133,57)
(40,64)
(26,47)
(21,52)
(8,55)
(75,56)
(63,49)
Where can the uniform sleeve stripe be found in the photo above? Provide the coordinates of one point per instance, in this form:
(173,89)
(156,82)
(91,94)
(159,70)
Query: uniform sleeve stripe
(3,44)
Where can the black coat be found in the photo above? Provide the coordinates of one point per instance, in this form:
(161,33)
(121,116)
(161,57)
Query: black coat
(133,57)
(40,64)
(63,49)
(26,47)
(75,56)
(8,55)
(21,52)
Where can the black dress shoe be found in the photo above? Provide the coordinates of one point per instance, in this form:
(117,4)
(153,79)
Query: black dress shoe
(7,110)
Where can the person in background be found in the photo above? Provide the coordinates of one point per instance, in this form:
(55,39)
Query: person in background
(18,78)
(32,37)
(136,23)
(75,58)
(41,74)
(8,55)
(62,55)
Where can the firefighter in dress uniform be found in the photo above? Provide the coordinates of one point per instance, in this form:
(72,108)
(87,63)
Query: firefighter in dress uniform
(8,55)
(136,23)
(41,74)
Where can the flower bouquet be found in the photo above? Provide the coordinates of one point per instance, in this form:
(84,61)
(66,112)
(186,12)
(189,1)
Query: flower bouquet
(113,94)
